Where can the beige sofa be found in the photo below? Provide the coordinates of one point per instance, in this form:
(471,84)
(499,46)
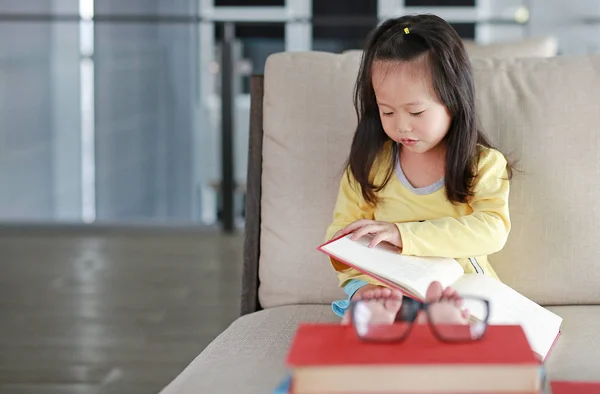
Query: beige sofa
(543,112)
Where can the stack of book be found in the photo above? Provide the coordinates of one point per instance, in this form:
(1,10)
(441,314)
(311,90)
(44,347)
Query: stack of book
(331,358)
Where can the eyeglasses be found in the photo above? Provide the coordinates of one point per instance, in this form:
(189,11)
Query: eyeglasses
(387,320)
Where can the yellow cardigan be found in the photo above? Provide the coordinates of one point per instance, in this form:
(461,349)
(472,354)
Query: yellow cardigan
(429,224)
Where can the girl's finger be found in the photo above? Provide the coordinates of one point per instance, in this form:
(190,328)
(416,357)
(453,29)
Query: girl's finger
(380,237)
(360,232)
(368,229)
(356,225)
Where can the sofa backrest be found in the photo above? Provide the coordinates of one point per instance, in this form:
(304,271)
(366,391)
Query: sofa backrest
(541,112)
(545,115)
(530,47)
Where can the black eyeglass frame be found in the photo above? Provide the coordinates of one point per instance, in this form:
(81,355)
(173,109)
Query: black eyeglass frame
(408,313)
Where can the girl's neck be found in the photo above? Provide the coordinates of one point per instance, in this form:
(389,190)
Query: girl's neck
(422,169)
(435,156)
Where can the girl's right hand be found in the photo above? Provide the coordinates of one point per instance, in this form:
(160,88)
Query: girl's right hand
(338,234)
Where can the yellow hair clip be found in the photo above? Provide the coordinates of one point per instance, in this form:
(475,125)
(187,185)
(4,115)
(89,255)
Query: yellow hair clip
(406,31)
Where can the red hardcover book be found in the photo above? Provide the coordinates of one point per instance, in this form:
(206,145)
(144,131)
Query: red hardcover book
(568,387)
(328,358)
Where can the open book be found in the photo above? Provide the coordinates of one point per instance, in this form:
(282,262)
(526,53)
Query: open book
(412,275)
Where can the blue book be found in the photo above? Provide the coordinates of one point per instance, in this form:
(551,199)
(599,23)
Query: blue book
(284,386)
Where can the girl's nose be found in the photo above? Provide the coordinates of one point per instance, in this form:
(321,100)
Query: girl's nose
(403,126)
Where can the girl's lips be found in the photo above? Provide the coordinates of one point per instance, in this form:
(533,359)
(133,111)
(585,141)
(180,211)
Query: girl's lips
(408,142)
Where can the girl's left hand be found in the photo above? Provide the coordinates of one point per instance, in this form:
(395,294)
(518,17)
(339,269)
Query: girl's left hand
(383,231)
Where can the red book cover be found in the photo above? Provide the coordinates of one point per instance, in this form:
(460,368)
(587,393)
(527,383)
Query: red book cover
(565,387)
(336,344)
(552,348)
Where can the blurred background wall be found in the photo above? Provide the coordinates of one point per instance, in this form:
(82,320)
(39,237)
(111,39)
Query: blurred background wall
(111,109)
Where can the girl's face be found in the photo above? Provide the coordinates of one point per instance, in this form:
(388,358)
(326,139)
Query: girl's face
(410,113)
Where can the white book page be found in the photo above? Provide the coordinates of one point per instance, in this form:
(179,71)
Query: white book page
(507,306)
(384,260)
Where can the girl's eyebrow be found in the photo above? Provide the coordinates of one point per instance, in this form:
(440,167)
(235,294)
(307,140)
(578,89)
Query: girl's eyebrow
(412,103)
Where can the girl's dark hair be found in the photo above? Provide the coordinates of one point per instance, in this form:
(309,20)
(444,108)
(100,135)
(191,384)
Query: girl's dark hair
(441,47)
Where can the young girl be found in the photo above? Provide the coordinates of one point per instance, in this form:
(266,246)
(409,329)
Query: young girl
(420,174)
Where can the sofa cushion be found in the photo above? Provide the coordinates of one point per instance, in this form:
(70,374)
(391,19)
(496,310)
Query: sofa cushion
(249,357)
(543,113)
(575,354)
